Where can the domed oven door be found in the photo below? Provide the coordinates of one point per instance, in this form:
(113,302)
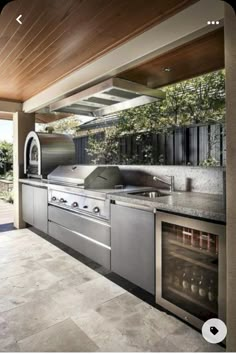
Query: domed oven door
(32,165)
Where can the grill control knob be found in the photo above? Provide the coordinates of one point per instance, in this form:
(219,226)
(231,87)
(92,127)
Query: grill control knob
(54,199)
(62,200)
(75,205)
(96,210)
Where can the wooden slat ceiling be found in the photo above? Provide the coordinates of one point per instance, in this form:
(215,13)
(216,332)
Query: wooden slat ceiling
(57,37)
(198,57)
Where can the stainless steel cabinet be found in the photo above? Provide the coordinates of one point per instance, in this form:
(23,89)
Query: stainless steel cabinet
(41,209)
(35,206)
(132,245)
(190,267)
(28,204)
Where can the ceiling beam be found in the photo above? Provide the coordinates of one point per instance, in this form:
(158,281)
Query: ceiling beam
(6,116)
(10,106)
(47,118)
(181,28)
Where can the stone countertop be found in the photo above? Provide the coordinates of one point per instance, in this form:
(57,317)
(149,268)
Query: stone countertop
(35,182)
(199,205)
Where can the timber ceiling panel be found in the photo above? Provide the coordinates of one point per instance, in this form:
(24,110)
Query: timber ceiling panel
(200,56)
(56,39)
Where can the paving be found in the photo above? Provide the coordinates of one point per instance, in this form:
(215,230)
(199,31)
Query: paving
(6,215)
(51,302)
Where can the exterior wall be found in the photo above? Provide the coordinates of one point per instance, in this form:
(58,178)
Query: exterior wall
(23,123)
(230,64)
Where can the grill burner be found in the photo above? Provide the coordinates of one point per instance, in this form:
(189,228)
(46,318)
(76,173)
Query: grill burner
(82,188)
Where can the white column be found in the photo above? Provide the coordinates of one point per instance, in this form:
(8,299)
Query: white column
(23,123)
(230,66)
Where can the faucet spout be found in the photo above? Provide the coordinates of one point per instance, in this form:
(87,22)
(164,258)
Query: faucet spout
(170,184)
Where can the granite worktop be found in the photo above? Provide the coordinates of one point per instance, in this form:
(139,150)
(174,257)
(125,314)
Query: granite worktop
(199,205)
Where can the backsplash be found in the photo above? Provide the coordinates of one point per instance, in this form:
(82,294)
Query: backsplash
(194,179)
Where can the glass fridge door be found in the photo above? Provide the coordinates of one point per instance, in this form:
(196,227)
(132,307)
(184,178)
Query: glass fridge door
(190,270)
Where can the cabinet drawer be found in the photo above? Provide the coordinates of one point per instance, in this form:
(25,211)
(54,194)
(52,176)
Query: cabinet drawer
(91,228)
(96,252)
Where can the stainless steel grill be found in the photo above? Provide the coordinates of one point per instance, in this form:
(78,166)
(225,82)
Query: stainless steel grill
(79,210)
(86,176)
(82,188)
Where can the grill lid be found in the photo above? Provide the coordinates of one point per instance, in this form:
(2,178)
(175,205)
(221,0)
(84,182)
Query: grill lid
(87,176)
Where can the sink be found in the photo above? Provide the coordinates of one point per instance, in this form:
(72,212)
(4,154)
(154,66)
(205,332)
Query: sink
(150,194)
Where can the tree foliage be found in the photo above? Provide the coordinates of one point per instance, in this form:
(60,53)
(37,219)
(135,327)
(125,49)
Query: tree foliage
(198,100)
(6,158)
(6,152)
(62,126)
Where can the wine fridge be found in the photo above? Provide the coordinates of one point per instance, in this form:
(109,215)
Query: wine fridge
(190,268)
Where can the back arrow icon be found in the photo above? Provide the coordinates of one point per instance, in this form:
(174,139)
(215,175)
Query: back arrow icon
(18,19)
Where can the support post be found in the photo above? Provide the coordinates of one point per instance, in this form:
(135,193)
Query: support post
(230,65)
(23,123)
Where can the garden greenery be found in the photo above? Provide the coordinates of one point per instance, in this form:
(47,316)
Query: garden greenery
(195,101)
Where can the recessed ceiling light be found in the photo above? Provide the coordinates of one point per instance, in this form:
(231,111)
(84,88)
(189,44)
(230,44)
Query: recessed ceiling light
(167,70)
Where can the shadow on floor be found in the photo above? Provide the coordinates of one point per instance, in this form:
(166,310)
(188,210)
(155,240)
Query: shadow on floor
(7,227)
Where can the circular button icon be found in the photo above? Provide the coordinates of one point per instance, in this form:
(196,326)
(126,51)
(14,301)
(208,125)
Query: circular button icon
(214,331)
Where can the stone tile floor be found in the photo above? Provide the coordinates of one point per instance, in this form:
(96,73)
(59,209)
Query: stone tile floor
(52,302)
(6,216)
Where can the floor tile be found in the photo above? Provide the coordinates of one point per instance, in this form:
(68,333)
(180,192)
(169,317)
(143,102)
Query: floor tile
(33,317)
(62,337)
(60,265)
(119,307)
(87,296)
(185,337)
(6,336)
(41,287)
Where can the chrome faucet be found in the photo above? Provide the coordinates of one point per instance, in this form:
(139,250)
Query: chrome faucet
(169,184)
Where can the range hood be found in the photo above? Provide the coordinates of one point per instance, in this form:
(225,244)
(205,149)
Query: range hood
(107,98)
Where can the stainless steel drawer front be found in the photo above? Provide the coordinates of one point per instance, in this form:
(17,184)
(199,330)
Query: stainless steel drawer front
(92,228)
(93,250)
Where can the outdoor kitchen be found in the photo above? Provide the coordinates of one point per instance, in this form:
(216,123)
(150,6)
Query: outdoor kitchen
(116,218)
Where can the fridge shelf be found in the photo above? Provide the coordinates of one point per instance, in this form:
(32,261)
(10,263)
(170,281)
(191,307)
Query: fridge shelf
(191,299)
(194,249)
(195,262)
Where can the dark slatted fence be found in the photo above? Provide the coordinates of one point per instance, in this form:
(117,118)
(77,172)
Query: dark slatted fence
(182,146)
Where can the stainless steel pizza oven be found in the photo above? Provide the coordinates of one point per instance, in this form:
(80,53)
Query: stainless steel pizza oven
(43,152)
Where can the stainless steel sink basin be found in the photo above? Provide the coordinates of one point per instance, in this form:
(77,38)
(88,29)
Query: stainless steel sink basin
(150,194)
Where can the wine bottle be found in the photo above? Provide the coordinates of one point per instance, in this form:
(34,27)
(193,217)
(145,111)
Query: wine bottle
(194,283)
(187,236)
(195,238)
(186,280)
(177,276)
(212,243)
(203,290)
(204,240)
(179,236)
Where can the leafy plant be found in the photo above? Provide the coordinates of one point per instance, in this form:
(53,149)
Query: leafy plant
(210,162)
(199,100)
(63,126)
(6,155)
(7,196)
